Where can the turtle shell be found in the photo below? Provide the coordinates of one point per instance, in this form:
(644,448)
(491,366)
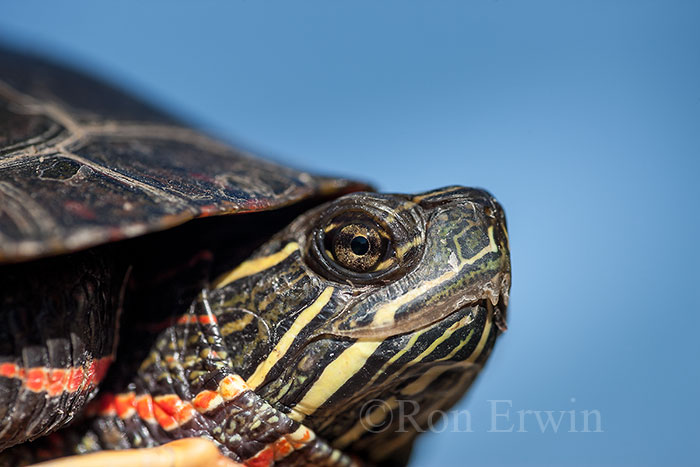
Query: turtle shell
(83,163)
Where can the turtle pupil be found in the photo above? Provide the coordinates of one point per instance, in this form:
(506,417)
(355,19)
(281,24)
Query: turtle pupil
(359,245)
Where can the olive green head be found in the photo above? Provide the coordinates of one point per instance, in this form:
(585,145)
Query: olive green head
(369,305)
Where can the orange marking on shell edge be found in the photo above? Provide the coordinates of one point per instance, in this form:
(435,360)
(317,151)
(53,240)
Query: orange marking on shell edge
(75,378)
(232,386)
(54,381)
(9,370)
(58,378)
(207,400)
(172,405)
(144,406)
(282,448)
(36,379)
(263,458)
(125,404)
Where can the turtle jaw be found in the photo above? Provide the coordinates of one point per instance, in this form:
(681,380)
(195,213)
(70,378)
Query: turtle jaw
(405,381)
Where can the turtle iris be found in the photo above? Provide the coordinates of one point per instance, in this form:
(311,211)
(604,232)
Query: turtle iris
(357,246)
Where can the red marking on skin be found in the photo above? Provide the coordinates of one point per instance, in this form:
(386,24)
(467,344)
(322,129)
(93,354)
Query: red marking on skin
(208,319)
(185,413)
(282,448)
(232,386)
(207,400)
(164,420)
(169,411)
(144,406)
(174,406)
(168,403)
(263,458)
(192,319)
(55,381)
(125,404)
(80,210)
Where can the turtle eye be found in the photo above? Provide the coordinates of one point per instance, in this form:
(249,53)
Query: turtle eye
(352,246)
(356,246)
(364,239)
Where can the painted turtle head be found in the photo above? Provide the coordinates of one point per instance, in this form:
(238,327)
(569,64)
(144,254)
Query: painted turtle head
(368,305)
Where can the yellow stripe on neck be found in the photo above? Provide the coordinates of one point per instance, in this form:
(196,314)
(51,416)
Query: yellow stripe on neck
(334,376)
(287,339)
(255,265)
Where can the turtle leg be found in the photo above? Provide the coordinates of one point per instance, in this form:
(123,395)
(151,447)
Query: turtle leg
(58,321)
(187,387)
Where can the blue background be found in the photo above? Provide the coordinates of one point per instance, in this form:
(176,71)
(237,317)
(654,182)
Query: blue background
(583,118)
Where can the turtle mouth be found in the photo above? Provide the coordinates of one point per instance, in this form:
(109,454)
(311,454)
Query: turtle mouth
(491,297)
(497,309)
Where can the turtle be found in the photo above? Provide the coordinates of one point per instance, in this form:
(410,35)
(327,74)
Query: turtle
(159,284)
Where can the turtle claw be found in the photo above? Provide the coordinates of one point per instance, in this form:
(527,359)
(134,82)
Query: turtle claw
(187,452)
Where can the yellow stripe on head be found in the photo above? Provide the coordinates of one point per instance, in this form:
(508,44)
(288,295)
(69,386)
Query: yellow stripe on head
(256,265)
